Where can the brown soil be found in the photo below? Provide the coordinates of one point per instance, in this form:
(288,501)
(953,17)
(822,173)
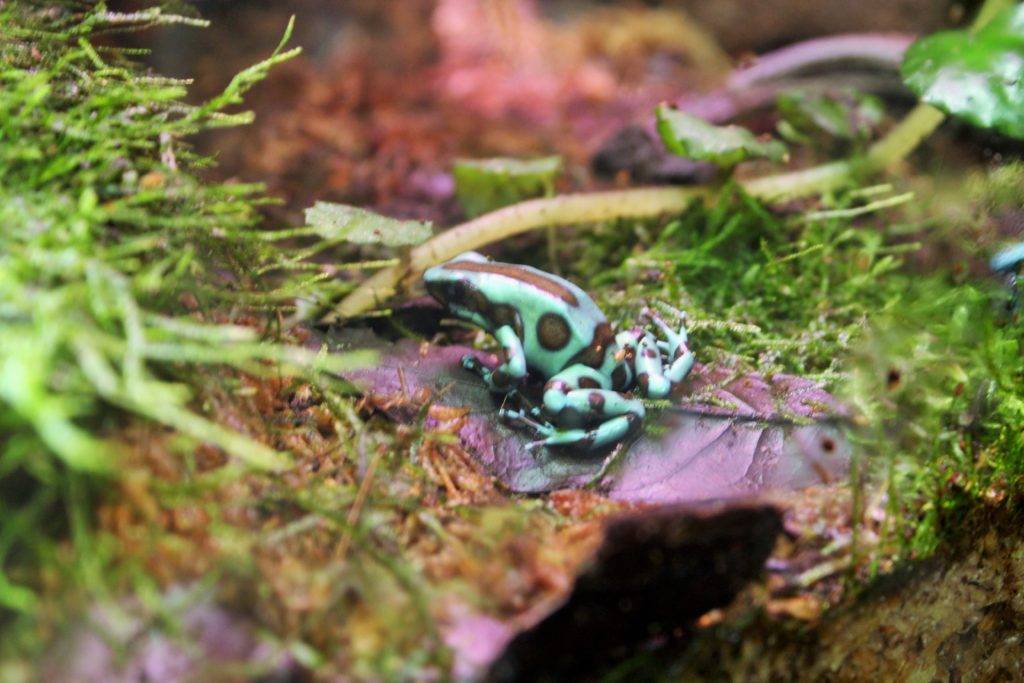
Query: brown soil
(958,616)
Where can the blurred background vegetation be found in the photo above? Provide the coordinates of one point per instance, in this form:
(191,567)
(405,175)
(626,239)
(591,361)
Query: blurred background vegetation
(178,458)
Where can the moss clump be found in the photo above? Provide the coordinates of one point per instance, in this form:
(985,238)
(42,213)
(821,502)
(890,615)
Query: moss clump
(111,245)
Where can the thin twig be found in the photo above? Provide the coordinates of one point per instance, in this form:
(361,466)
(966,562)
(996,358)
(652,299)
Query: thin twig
(884,50)
(357,506)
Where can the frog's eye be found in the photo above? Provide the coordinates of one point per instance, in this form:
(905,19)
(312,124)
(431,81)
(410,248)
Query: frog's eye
(436,289)
(453,291)
(479,302)
(503,314)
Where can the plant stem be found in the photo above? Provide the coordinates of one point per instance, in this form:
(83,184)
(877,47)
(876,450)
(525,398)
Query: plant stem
(884,50)
(904,138)
(885,153)
(989,10)
(511,220)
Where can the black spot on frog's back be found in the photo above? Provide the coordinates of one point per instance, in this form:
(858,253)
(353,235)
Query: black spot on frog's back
(478,301)
(553,332)
(593,354)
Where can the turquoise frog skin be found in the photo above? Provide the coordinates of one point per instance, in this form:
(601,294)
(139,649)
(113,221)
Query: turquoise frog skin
(549,326)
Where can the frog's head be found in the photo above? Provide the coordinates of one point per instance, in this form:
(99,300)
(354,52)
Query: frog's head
(453,288)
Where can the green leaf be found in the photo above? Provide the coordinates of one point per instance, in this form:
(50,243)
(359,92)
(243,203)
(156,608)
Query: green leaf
(483,185)
(974,76)
(693,137)
(15,597)
(848,116)
(359,226)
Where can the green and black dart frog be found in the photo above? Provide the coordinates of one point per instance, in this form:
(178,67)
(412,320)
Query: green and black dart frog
(550,327)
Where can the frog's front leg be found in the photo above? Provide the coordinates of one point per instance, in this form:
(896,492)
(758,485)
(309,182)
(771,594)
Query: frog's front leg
(511,373)
(577,399)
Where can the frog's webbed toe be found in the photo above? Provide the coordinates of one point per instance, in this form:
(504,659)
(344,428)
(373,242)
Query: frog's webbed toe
(472,363)
(527,418)
(680,367)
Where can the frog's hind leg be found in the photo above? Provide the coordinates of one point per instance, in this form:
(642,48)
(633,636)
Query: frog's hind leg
(510,374)
(584,411)
(650,370)
(675,347)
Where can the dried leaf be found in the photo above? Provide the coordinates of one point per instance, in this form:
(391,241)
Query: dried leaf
(341,222)
(655,574)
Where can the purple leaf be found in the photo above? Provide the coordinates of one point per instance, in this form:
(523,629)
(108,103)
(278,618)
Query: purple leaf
(726,436)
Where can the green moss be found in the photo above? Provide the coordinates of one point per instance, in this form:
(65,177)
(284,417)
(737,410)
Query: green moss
(105,228)
(779,294)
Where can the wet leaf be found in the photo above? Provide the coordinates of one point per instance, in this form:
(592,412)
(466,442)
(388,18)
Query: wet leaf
(692,137)
(483,185)
(351,224)
(974,76)
(725,436)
